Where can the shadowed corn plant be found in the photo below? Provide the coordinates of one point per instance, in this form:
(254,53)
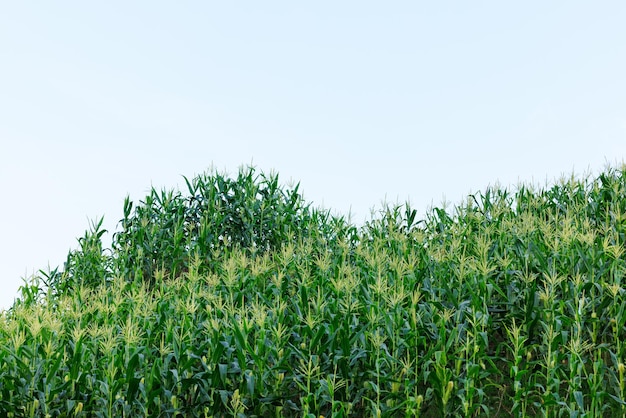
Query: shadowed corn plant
(508,304)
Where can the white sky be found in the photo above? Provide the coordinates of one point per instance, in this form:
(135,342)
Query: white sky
(358,100)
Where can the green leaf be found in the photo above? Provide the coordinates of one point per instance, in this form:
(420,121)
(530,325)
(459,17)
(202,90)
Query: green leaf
(578,396)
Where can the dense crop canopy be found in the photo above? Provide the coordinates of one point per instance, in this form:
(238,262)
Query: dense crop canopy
(240,300)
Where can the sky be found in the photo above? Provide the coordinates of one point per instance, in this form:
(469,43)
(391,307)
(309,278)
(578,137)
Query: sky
(361,102)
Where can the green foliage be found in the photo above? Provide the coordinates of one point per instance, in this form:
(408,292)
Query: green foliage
(89,265)
(510,304)
(166,229)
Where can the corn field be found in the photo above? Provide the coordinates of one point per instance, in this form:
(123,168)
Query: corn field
(238,299)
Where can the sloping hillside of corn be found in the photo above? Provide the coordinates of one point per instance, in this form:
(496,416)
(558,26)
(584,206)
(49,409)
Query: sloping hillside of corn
(237,298)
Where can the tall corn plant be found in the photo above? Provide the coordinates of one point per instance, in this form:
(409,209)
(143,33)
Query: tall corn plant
(90,265)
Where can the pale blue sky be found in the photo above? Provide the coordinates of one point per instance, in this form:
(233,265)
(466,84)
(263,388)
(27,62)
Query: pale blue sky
(358,100)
